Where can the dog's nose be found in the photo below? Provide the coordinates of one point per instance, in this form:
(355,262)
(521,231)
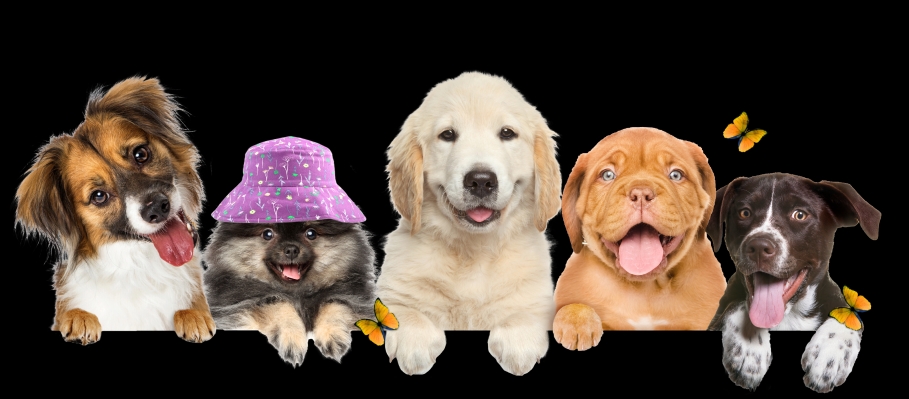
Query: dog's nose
(760,249)
(481,182)
(291,251)
(641,196)
(156,208)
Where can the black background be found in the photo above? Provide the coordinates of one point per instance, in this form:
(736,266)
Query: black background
(819,97)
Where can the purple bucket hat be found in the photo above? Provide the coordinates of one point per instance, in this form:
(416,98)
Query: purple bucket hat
(288,180)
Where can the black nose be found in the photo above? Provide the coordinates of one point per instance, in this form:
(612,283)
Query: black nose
(155,209)
(760,250)
(291,251)
(481,182)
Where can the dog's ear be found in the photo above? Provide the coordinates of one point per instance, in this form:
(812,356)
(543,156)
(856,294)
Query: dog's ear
(849,207)
(405,173)
(708,182)
(144,103)
(571,215)
(720,207)
(43,206)
(547,177)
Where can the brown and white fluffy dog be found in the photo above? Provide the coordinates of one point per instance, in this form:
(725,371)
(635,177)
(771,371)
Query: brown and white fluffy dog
(636,208)
(119,198)
(474,176)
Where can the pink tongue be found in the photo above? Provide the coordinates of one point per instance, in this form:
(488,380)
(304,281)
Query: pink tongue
(640,251)
(174,242)
(767,303)
(479,214)
(292,272)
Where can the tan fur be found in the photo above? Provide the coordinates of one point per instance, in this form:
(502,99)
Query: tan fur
(683,295)
(331,333)
(405,174)
(53,198)
(548,178)
(284,329)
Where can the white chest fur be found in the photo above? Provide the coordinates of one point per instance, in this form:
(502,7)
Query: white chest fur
(128,287)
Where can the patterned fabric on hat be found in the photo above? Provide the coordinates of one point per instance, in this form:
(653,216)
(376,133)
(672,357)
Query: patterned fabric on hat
(288,180)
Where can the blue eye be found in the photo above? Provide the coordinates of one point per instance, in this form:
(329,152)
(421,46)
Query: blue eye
(608,175)
(268,234)
(311,234)
(676,175)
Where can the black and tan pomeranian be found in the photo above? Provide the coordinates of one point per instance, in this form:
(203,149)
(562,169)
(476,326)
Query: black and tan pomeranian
(292,281)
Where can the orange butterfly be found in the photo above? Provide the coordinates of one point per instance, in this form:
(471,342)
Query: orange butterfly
(849,316)
(376,331)
(739,128)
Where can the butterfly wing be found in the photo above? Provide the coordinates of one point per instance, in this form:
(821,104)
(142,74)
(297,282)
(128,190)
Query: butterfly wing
(755,135)
(862,304)
(367,326)
(853,321)
(850,295)
(745,144)
(840,314)
(737,127)
(390,322)
(377,336)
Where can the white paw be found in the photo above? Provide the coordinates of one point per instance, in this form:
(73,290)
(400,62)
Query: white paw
(291,344)
(746,350)
(518,347)
(415,344)
(830,355)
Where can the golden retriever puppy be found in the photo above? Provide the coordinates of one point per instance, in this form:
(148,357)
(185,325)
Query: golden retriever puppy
(636,208)
(474,176)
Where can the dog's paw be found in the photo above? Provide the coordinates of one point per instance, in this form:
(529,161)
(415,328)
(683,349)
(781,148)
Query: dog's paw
(829,356)
(577,327)
(746,351)
(416,344)
(518,348)
(79,326)
(291,344)
(333,342)
(194,325)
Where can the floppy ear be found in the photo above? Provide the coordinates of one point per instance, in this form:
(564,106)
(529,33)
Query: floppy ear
(570,213)
(849,207)
(405,173)
(547,177)
(720,207)
(144,103)
(708,182)
(43,206)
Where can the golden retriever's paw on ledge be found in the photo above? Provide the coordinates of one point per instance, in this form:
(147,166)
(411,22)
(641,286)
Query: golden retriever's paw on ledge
(518,348)
(79,326)
(577,327)
(416,347)
(193,325)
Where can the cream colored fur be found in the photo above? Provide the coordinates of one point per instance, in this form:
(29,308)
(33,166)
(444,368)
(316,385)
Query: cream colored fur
(442,273)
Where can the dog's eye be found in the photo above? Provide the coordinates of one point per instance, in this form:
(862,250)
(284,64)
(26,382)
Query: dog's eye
(608,175)
(745,213)
(448,135)
(507,134)
(311,234)
(799,214)
(141,154)
(99,197)
(268,234)
(676,175)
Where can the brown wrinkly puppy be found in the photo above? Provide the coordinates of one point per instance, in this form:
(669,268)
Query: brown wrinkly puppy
(636,208)
(119,198)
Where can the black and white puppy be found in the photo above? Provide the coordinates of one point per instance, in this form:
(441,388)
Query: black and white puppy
(779,233)
(292,281)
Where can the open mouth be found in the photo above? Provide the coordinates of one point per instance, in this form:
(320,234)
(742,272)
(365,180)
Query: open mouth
(290,272)
(478,216)
(643,250)
(175,241)
(769,295)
